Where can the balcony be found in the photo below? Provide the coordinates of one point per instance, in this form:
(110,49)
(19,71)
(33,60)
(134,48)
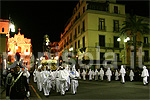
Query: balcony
(138,44)
(110,46)
(116,29)
(146,45)
(101,28)
(97,6)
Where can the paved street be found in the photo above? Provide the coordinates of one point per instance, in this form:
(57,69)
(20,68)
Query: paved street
(97,90)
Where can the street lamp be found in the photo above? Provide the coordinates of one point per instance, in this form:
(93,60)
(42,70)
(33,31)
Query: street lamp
(11,29)
(125,40)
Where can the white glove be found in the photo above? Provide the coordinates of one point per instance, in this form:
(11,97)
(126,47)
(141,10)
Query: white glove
(28,94)
(7,98)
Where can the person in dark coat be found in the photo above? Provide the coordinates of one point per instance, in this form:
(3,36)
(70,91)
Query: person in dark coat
(17,86)
(20,88)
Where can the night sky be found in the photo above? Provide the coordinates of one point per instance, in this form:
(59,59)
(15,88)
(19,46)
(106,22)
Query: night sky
(37,18)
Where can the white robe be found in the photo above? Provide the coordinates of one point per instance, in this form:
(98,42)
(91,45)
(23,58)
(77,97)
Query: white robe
(108,74)
(53,80)
(39,83)
(131,75)
(27,74)
(57,82)
(93,74)
(79,73)
(74,82)
(90,74)
(34,76)
(122,73)
(96,74)
(63,77)
(145,74)
(84,75)
(101,73)
(116,75)
(46,78)
(67,84)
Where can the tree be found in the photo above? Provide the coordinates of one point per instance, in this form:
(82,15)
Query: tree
(134,24)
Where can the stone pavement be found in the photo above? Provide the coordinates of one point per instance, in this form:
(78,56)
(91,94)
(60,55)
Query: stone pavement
(98,90)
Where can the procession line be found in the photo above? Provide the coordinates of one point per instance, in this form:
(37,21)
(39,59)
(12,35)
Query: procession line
(36,92)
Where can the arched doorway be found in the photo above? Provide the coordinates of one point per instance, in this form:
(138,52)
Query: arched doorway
(19,49)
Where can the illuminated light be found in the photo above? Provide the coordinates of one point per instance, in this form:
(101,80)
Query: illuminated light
(125,40)
(26,53)
(16,47)
(10,53)
(56,57)
(51,57)
(71,49)
(7,35)
(12,27)
(118,39)
(128,38)
(76,55)
(4,63)
(46,43)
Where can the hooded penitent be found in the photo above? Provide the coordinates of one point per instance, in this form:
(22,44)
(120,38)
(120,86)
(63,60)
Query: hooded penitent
(122,70)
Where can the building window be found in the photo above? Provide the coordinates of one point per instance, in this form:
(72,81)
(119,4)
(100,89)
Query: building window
(146,56)
(71,37)
(78,43)
(116,26)
(2,29)
(83,41)
(78,29)
(116,9)
(101,24)
(83,26)
(76,18)
(145,40)
(79,15)
(75,33)
(102,56)
(117,57)
(116,43)
(62,45)
(67,40)
(75,45)
(83,9)
(102,40)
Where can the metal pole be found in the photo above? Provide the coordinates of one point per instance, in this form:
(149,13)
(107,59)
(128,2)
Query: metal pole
(124,48)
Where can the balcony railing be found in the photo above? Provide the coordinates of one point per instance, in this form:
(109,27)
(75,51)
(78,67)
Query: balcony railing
(101,28)
(146,45)
(116,29)
(146,58)
(109,45)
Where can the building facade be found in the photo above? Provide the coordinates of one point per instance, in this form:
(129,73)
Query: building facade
(4,29)
(93,30)
(20,44)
